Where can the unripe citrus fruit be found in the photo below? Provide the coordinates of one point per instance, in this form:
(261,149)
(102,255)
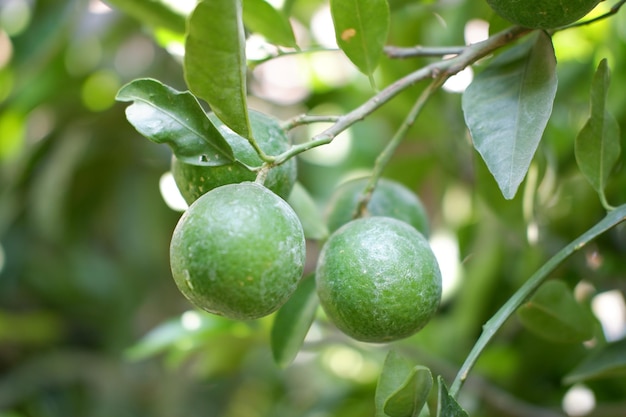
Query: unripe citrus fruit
(238,251)
(543,14)
(378,280)
(390,199)
(195,180)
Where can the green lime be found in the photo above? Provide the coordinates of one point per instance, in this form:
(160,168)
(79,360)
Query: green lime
(238,251)
(195,180)
(390,198)
(542,14)
(378,279)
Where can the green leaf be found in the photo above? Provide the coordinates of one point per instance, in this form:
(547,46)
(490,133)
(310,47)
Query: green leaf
(152,12)
(165,115)
(308,212)
(554,314)
(292,322)
(447,406)
(361,28)
(507,108)
(215,61)
(260,17)
(402,389)
(597,146)
(608,361)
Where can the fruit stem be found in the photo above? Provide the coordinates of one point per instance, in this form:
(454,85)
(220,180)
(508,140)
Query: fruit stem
(385,156)
(490,328)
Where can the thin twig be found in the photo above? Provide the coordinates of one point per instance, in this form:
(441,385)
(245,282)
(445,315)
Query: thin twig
(610,13)
(421,51)
(305,119)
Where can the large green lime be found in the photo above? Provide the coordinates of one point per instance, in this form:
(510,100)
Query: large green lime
(195,180)
(544,14)
(238,251)
(390,198)
(378,280)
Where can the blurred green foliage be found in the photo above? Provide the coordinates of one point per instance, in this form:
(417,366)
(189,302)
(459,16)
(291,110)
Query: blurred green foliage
(91,323)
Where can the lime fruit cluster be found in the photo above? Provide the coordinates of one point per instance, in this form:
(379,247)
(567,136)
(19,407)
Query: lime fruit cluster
(390,198)
(238,251)
(542,14)
(195,180)
(378,280)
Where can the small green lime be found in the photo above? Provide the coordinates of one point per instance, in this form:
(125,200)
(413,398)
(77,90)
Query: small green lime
(195,180)
(542,14)
(378,280)
(238,251)
(390,198)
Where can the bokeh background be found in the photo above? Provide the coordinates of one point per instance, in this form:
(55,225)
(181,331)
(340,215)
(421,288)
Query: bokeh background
(91,323)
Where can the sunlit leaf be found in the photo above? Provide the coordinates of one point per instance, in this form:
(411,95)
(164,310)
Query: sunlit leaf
(361,28)
(555,315)
(402,389)
(260,17)
(215,61)
(293,321)
(447,406)
(597,145)
(608,361)
(308,212)
(507,108)
(165,115)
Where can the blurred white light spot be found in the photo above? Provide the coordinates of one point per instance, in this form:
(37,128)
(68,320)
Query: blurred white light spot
(15,16)
(258,48)
(343,361)
(2,258)
(283,80)
(134,56)
(332,68)
(583,291)
(330,154)
(460,81)
(578,401)
(476,30)
(446,249)
(191,320)
(181,6)
(610,309)
(170,193)
(98,7)
(6,49)
(323,28)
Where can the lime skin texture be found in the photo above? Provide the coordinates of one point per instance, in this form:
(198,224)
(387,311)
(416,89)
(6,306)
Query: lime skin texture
(542,14)
(378,280)
(195,180)
(238,251)
(390,198)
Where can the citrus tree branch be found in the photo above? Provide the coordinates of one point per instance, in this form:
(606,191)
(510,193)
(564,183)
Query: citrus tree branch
(421,51)
(449,67)
(490,328)
(305,119)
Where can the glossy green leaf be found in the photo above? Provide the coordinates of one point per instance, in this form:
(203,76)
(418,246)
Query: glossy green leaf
(152,12)
(260,17)
(292,322)
(597,146)
(402,389)
(361,28)
(165,115)
(554,314)
(507,108)
(215,61)
(447,406)
(308,212)
(608,361)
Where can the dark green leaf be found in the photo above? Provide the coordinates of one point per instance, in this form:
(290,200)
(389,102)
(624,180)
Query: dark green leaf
(608,361)
(402,389)
(447,406)
(308,212)
(598,143)
(153,13)
(260,17)
(293,321)
(554,314)
(165,115)
(507,108)
(215,61)
(361,28)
